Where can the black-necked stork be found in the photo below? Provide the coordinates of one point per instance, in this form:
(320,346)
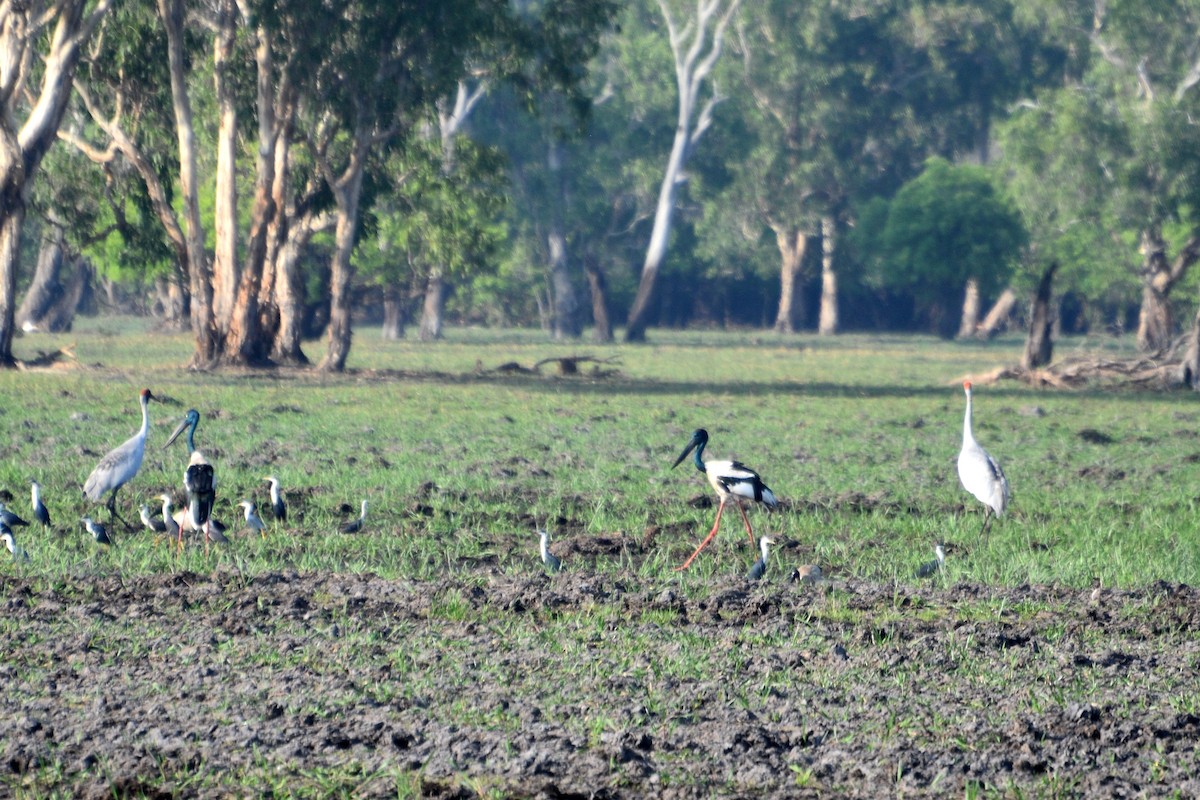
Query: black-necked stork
(40,512)
(552,562)
(10,519)
(98,531)
(199,480)
(979,473)
(156,525)
(759,568)
(278,506)
(356,525)
(253,522)
(120,464)
(731,480)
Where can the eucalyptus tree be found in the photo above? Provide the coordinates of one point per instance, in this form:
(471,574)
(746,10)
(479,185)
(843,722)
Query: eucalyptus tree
(41,44)
(697,38)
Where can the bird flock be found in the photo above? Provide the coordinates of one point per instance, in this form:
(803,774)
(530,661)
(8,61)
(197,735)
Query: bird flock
(734,482)
(121,465)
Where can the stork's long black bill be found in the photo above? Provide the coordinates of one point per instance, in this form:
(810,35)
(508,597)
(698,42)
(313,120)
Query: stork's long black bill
(691,446)
(182,427)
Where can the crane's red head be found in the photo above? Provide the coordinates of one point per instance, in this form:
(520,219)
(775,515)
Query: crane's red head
(147,396)
(967,385)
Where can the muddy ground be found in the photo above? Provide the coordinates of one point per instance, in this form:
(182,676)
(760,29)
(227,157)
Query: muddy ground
(578,685)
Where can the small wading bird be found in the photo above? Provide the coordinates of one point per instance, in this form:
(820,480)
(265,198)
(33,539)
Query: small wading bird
(40,512)
(278,506)
(119,466)
(552,562)
(10,519)
(356,525)
(252,520)
(171,526)
(18,552)
(731,480)
(156,525)
(930,568)
(98,531)
(979,473)
(759,568)
(199,480)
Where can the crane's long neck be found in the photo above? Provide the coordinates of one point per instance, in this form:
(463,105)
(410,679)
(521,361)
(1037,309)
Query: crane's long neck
(145,418)
(968,436)
(696,457)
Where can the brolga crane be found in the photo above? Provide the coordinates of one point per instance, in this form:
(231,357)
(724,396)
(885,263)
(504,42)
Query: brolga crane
(98,531)
(552,562)
(356,525)
(253,522)
(731,480)
(979,473)
(278,506)
(759,568)
(199,480)
(40,512)
(120,464)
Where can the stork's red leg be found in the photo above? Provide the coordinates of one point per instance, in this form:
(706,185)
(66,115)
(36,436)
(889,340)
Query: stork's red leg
(749,532)
(707,539)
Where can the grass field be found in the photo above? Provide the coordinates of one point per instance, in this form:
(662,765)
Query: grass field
(857,435)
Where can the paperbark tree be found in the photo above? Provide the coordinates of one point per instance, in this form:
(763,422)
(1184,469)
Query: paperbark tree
(53,34)
(827,323)
(695,47)
(793,244)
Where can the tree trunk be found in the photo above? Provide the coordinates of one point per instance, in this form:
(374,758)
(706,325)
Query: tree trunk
(599,290)
(566,324)
(11,220)
(1189,368)
(1039,347)
(289,294)
(46,286)
(203,328)
(997,316)
(1156,327)
(394,316)
(431,309)
(696,48)
(1155,322)
(225,200)
(827,323)
(61,315)
(792,246)
(347,193)
(970,310)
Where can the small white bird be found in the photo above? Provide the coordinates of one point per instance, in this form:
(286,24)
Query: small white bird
(120,464)
(40,512)
(18,552)
(979,473)
(552,562)
(156,525)
(252,520)
(356,525)
(98,531)
(278,506)
(759,568)
(172,526)
(937,565)
(731,480)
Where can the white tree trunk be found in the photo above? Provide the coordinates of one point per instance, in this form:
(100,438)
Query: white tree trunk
(696,48)
(970,310)
(827,324)
(225,200)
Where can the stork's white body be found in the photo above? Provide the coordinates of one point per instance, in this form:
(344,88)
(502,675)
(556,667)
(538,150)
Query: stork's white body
(979,473)
(734,480)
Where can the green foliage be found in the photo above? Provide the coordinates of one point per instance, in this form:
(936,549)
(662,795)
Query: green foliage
(944,227)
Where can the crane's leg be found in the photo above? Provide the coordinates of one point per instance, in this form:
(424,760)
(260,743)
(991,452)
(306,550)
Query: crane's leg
(112,509)
(987,519)
(707,539)
(207,537)
(749,532)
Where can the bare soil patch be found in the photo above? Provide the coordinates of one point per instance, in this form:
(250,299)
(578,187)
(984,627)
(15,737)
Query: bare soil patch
(861,690)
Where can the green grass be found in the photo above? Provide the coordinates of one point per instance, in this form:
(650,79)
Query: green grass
(857,433)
